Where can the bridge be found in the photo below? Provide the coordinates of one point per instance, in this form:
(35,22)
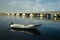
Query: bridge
(40,14)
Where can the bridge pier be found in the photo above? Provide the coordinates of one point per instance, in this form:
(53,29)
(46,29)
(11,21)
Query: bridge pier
(31,15)
(17,14)
(41,15)
(9,14)
(12,14)
(23,14)
(48,15)
(55,15)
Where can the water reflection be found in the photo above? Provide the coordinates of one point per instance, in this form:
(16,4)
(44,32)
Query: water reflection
(32,32)
(41,18)
(50,30)
(56,19)
(31,17)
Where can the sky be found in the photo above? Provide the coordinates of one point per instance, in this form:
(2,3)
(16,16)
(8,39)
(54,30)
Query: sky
(29,5)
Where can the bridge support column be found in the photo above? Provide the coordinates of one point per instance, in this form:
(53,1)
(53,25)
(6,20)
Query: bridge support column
(12,14)
(8,14)
(23,14)
(41,15)
(31,15)
(55,15)
(17,14)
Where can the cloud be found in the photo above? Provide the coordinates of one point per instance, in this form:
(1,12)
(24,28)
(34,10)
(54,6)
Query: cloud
(50,6)
(38,1)
(43,10)
(32,5)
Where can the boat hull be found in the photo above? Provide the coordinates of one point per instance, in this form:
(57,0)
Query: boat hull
(23,28)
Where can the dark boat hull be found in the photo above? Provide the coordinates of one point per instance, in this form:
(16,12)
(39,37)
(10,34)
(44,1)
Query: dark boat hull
(23,28)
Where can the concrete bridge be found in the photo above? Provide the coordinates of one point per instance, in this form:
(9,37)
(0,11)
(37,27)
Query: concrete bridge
(41,14)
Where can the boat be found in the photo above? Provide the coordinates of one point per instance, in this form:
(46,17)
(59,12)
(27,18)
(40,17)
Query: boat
(21,26)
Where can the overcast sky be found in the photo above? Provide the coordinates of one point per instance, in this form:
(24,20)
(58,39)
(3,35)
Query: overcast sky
(29,5)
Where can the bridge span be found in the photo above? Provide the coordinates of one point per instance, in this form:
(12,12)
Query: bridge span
(41,14)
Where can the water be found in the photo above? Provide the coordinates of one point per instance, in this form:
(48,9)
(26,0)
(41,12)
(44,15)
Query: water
(49,30)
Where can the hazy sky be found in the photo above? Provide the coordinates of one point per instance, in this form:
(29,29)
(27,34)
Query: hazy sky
(29,5)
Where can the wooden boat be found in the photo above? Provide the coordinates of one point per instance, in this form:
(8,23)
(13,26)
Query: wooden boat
(21,26)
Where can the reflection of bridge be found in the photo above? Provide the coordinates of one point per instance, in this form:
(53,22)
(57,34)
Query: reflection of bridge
(47,14)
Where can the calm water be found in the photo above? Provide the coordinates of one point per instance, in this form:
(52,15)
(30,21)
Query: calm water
(49,30)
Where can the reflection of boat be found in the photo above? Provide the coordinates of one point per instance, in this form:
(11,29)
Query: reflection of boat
(28,31)
(21,26)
